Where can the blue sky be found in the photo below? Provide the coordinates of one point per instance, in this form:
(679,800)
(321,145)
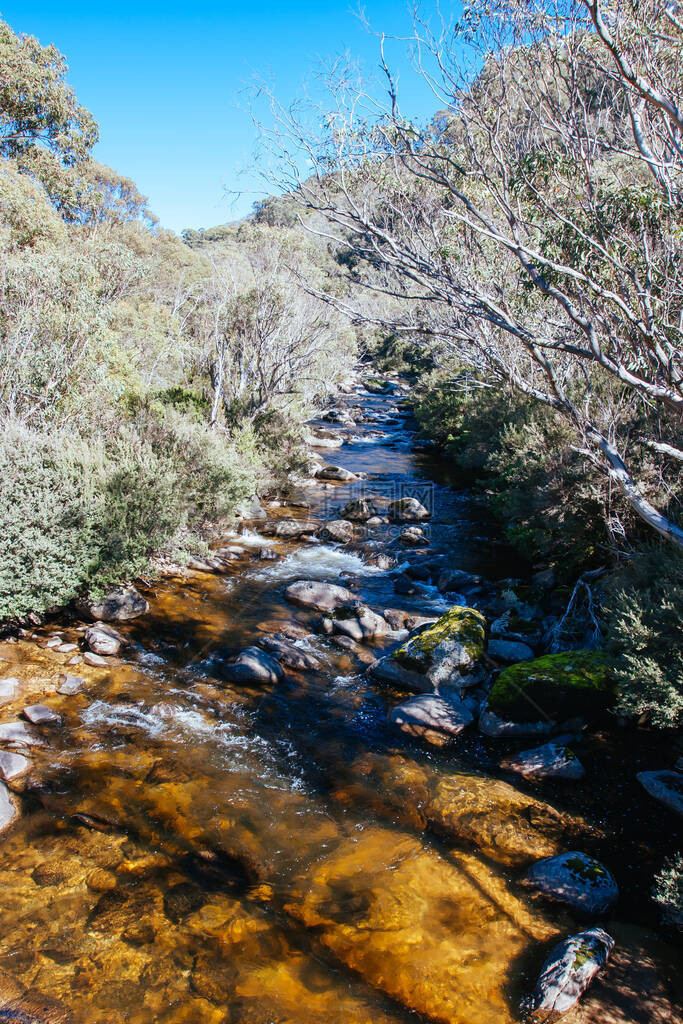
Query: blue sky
(164,80)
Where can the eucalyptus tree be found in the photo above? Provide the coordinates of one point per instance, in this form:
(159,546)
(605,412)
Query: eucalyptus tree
(533,228)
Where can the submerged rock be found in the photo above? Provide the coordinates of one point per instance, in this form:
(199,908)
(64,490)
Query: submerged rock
(576,879)
(408,510)
(556,686)
(252,665)
(119,605)
(433,718)
(665,786)
(567,973)
(103,639)
(8,812)
(552,760)
(323,597)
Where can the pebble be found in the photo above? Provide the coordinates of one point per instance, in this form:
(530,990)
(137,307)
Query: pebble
(40,714)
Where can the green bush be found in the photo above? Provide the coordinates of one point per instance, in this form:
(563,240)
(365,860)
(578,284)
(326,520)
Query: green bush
(667,892)
(643,608)
(82,513)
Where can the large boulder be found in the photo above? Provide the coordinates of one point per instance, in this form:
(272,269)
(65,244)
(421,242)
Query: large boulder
(119,605)
(665,786)
(252,665)
(448,650)
(433,718)
(550,761)
(574,878)
(567,973)
(323,597)
(8,808)
(554,687)
(337,473)
(338,530)
(408,510)
(103,639)
(324,439)
(359,622)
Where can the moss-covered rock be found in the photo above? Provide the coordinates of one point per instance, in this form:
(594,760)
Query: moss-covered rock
(556,686)
(459,626)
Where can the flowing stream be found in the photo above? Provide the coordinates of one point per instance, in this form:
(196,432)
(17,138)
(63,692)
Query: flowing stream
(201,852)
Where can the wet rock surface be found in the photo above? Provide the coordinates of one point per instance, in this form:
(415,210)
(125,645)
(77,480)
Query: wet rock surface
(552,760)
(567,973)
(577,880)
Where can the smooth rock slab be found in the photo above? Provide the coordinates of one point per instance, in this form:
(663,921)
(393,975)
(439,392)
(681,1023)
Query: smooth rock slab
(427,713)
(18,734)
(252,665)
(567,973)
(665,786)
(12,766)
(8,810)
(552,760)
(323,597)
(576,879)
(41,714)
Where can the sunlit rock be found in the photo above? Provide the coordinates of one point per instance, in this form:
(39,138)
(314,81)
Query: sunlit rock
(288,653)
(576,879)
(289,528)
(665,786)
(337,473)
(323,597)
(338,530)
(8,807)
(252,665)
(433,718)
(119,605)
(552,761)
(408,509)
(103,639)
(566,974)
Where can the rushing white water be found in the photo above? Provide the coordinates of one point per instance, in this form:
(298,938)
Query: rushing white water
(319,562)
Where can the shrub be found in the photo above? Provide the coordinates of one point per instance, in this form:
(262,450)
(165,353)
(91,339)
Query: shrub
(643,607)
(667,892)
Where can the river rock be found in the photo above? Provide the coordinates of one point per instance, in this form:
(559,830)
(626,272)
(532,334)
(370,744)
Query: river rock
(8,812)
(432,717)
(577,880)
(551,761)
(324,439)
(323,597)
(399,618)
(509,650)
(95,660)
(289,528)
(70,685)
(665,786)
(287,653)
(339,530)
(554,687)
(359,622)
(413,536)
(12,766)
(360,510)
(336,473)
(103,639)
(567,973)
(8,688)
(19,734)
(252,665)
(499,728)
(446,651)
(251,509)
(41,714)
(408,509)
(382,561)
(119,605)
(389,671)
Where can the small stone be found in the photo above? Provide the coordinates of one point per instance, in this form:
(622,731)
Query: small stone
(12,766)
(576,879)
(567,973)
(103,639)
(287,653)
(665,786)
(551,761)
(8,688)
(413,536)
(95,660)
(69,685)
(101,880)
(67,648)
(40,714)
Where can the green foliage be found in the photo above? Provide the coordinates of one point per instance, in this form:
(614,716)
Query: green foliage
(643,607)
(667,892)
(78,513)
(556,686)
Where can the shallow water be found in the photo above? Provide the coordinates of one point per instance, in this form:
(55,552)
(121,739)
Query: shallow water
(211,854)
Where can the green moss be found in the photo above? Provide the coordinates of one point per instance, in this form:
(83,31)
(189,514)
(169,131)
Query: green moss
(555,686)
(464,625)
(587,870)
(585,952)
